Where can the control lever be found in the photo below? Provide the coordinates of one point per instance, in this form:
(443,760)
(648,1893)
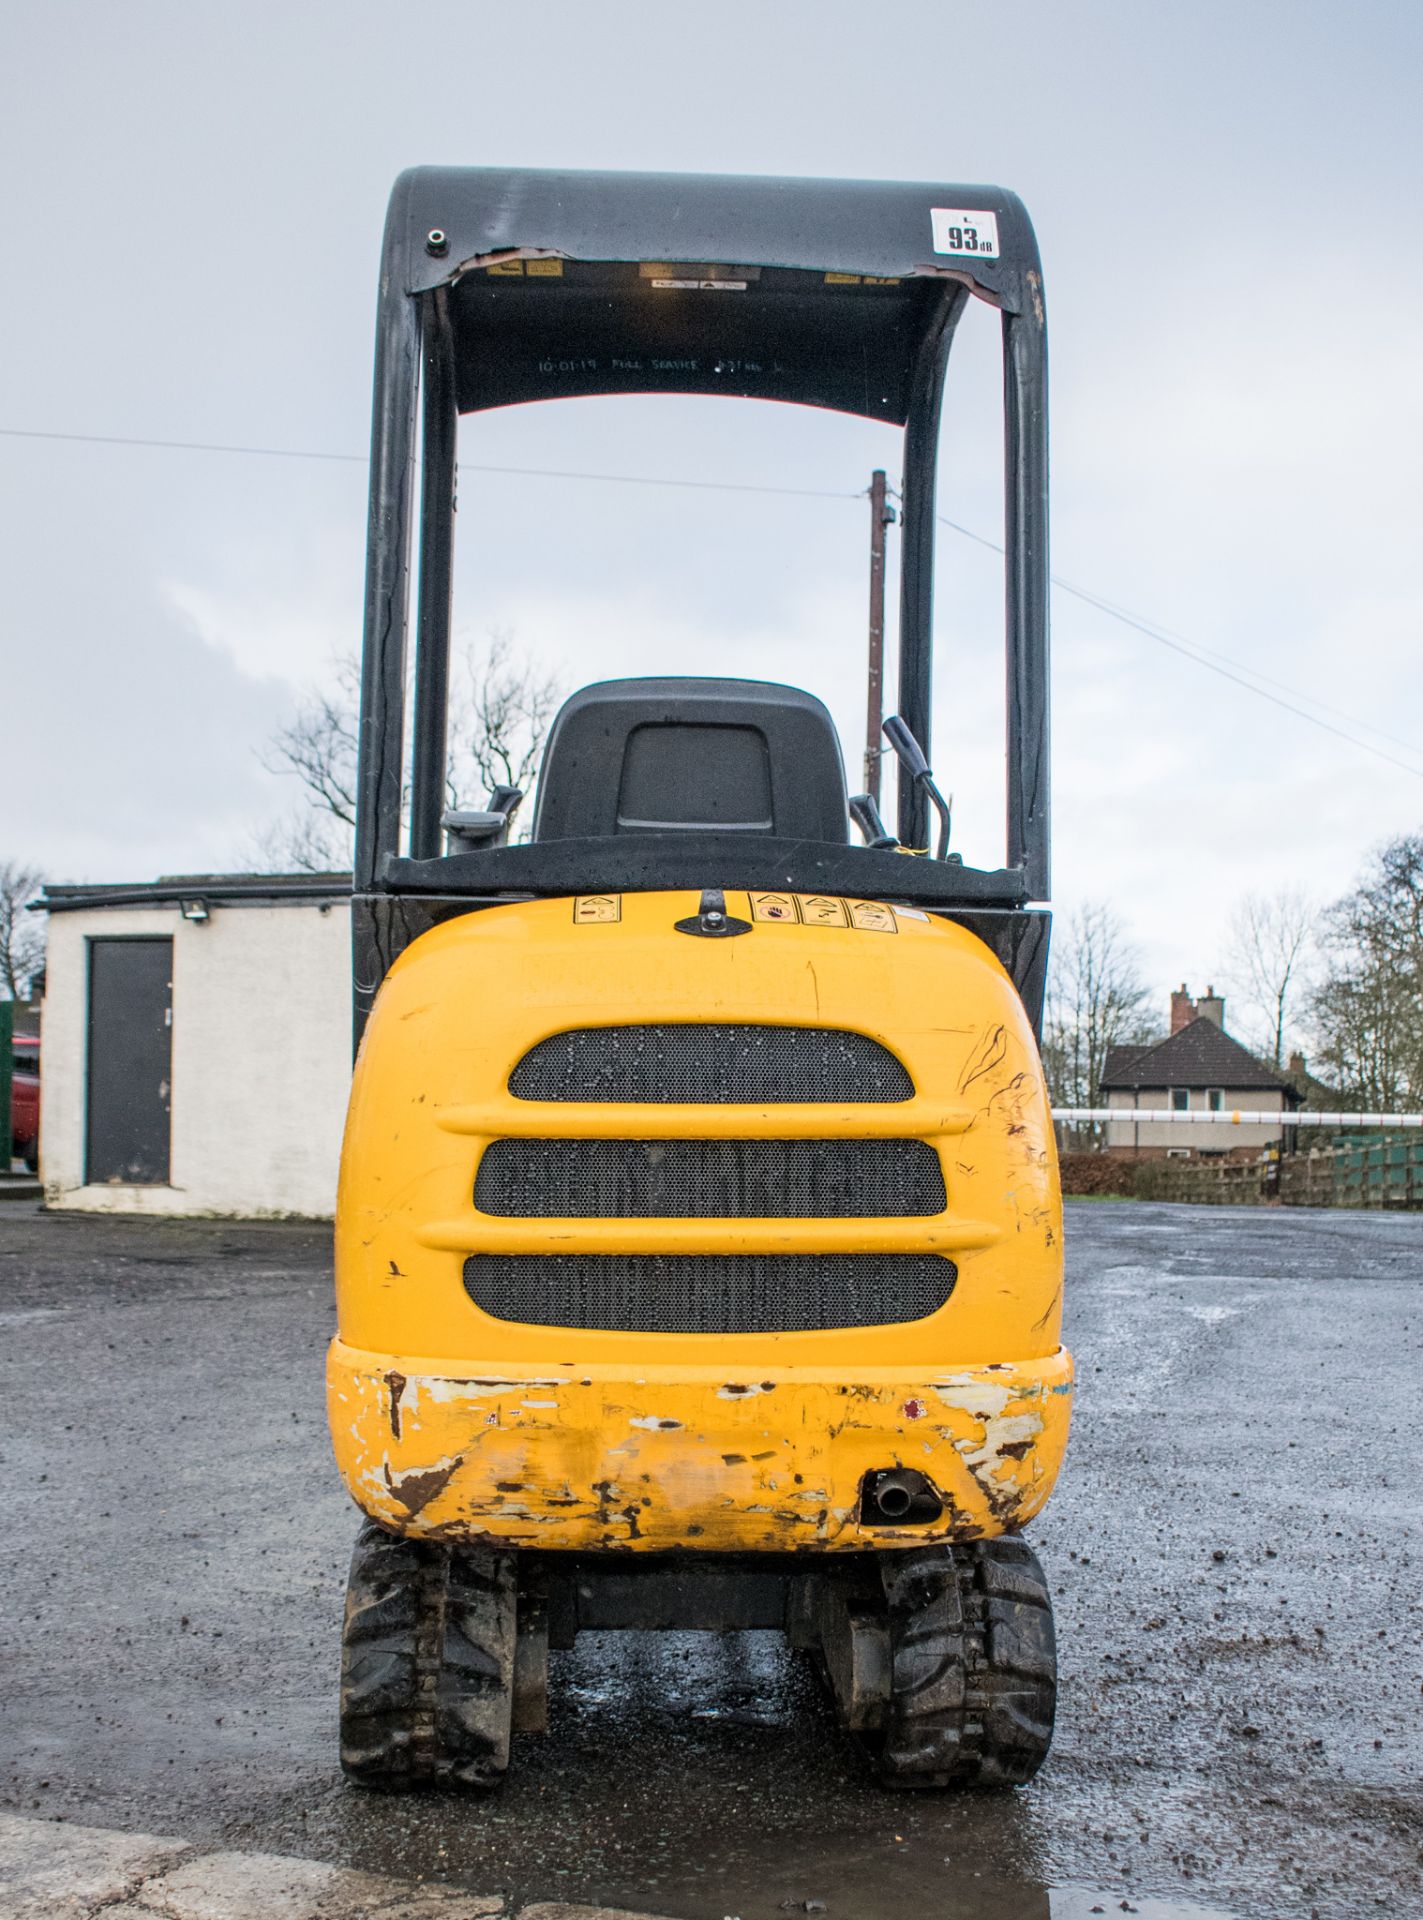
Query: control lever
(866,816)
(910,755)
(465,832)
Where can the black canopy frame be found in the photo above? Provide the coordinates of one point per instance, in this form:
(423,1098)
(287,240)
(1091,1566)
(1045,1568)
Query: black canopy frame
(499,287)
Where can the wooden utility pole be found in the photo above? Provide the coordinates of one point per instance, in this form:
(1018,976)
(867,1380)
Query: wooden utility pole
(881,516)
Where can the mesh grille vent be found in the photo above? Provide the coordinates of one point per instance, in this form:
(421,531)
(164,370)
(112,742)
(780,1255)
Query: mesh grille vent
(710,1065)
(709,1179)
(709,1293)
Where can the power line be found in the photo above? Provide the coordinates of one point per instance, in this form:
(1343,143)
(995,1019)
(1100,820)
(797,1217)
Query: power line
(664,480)
(176,446)
(1197,650)
(465,466)
(1190,652)
(1201,655)
(1199,646)
(1237,679)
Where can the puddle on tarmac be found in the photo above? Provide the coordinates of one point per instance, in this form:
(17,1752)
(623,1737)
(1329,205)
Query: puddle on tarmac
(1076,1903)
(702,1776)
(960,1894)
(744,1754)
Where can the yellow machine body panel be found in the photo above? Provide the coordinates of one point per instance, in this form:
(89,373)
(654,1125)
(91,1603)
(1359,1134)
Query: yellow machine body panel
(449,1423)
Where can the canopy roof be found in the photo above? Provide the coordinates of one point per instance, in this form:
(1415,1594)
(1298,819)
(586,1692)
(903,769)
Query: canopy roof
(817,291)
(501,286)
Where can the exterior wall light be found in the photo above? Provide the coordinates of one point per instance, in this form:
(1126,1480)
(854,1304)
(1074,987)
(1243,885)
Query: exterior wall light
(194,910)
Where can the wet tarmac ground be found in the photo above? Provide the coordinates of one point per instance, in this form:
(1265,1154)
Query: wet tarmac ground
(1234,1550)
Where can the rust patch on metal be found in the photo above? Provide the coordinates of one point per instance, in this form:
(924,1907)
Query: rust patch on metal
(396,1383)
(415,1491)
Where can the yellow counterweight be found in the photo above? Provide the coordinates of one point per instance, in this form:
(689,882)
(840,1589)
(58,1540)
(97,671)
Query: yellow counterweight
(458,1420)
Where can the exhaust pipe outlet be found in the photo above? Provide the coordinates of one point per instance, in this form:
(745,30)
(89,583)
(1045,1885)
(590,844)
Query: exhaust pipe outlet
(899,1496)
(894,1495)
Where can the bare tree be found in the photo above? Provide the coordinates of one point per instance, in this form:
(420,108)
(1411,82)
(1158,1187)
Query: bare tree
(1270,936)
(22,933)
(1096,1000)
(499,727)
(1367,1008)
(302,840)
(319,744)
(501,706)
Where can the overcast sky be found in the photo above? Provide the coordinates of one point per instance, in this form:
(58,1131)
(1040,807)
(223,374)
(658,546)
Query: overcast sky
(1227,199)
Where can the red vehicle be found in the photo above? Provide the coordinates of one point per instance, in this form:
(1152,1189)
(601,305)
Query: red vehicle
(25,1102)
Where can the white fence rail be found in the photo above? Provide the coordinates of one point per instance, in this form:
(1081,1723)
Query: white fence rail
(1236,1117)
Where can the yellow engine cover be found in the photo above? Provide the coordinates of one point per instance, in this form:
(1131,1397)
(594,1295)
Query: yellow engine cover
(450,1423)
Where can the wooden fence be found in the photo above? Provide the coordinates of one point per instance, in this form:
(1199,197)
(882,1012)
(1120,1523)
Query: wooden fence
(1356,1172)
(1382,1171)
(1209,1183)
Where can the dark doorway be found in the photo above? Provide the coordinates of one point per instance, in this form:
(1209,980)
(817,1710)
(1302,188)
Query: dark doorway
(130,1061)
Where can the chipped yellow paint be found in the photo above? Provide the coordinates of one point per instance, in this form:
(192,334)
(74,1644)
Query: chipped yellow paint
(679,1457)
(449,1421)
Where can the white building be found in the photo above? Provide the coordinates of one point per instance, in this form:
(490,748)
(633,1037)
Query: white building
(1197,1068)
(196,1045)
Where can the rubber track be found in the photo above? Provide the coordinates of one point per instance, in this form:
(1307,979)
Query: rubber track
(427,1661)
(974,1666)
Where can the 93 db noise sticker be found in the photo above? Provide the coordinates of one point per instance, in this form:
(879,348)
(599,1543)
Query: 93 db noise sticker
(960,230)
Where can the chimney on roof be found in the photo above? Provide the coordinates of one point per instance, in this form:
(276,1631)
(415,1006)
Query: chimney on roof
(1297,1070)
(1211,1006)
(1183,1009)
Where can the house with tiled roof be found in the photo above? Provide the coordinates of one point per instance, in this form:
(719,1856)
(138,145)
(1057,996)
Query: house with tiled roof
(1197,1068)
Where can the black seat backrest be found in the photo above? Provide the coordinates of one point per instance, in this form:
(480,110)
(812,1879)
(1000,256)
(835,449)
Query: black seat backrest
(682,756)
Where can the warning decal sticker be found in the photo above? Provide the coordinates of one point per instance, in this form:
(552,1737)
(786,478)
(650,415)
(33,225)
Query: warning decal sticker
(597,909)
(820,910)
(958,230)
(773,906)
(828,910)
(872,916)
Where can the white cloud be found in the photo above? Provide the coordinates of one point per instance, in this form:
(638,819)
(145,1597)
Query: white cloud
(283,609)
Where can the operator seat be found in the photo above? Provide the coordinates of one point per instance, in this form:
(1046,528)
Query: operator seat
(689,756)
